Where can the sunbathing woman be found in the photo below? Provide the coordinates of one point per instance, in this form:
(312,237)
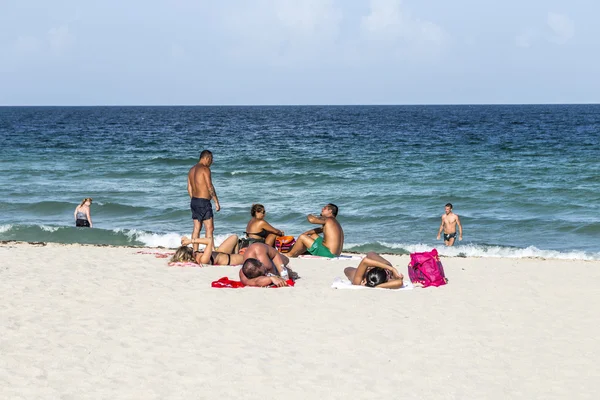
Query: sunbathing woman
(223,255)
(259,230)
(375,271)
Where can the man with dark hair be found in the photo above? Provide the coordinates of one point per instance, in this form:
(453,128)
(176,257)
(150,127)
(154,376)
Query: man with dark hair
(201,191)
(332,242)
(448,225)
(256,273)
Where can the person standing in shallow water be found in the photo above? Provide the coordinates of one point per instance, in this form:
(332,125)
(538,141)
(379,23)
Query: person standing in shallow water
(82,213)
(201,191)
(448,225)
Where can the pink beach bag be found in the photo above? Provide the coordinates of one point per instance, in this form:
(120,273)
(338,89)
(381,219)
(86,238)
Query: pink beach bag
(426,269)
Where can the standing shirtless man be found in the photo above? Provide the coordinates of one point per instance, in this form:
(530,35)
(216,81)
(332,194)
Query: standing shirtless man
(330,245)
(449,222)
(201,190)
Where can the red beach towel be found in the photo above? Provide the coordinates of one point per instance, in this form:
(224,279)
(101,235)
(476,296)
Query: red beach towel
(225,282)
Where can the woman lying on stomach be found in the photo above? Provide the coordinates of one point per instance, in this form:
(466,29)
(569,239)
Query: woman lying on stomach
(375,271)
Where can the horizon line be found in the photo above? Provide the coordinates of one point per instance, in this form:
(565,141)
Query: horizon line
(301,105)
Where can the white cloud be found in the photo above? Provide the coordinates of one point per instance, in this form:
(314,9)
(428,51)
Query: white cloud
(389,21)
(562,27)
(282,31)
(60,38)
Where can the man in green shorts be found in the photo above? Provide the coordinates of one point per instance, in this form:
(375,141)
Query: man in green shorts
(330,245)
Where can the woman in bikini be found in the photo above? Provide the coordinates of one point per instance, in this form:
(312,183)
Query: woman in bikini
(223,255)
(259,230)
(82,213)
(375,271)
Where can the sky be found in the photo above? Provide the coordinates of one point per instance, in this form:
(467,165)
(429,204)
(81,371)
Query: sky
(259,52)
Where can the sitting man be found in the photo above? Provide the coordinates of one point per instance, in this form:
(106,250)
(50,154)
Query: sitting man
(256,273)
(330,245)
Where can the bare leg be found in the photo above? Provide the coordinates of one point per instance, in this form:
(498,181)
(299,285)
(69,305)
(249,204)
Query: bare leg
(196,233)
(209,227)
(270,240)
(228,246)
(350,272)
(374,256)
(303,242)
(450,242)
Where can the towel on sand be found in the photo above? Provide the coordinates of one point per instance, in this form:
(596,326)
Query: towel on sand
(157,254)
(225,282)
(192,264)
(339,283)
(341,257)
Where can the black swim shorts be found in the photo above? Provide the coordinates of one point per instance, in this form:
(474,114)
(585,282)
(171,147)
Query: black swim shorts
(82,222)
(449,236)
(201,209)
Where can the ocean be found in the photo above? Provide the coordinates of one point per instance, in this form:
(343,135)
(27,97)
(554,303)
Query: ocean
(524,179)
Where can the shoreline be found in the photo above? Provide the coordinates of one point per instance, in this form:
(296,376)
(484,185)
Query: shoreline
(44,244)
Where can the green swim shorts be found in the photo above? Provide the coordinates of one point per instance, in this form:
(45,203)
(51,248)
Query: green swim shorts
(318,249)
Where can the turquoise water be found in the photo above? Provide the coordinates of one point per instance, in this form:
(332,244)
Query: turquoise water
(525,180)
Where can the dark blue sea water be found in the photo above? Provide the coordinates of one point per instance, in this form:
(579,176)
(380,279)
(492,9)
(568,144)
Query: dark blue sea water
(525,180)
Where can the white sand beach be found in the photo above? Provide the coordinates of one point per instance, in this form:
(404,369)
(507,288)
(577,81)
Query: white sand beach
(87,322)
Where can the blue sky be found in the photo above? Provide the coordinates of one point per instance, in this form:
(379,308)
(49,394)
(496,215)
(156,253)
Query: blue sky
(298,52)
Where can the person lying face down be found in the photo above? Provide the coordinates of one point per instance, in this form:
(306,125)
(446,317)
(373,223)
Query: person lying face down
(255,273)
(375,271)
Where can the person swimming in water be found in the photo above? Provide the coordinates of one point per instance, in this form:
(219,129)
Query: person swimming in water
(258,229)
(375,271)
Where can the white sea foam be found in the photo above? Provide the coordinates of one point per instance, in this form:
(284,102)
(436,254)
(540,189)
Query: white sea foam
(169,240)
(472,250)
(49,228)
(5,228)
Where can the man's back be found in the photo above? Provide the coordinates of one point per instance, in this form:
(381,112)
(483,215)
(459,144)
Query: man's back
(333,235)
(199,178)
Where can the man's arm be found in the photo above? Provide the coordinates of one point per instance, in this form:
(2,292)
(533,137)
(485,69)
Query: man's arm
(313,219)
(275,256)
(189,186)
(211,190)
(459,228)
(441,228)
(261,281)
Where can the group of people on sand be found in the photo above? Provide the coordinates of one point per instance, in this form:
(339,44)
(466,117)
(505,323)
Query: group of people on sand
(262,264)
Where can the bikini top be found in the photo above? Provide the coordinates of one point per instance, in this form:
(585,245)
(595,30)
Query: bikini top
(263,234)
(81,215)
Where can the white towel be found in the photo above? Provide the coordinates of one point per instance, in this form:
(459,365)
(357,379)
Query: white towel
(339,283)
